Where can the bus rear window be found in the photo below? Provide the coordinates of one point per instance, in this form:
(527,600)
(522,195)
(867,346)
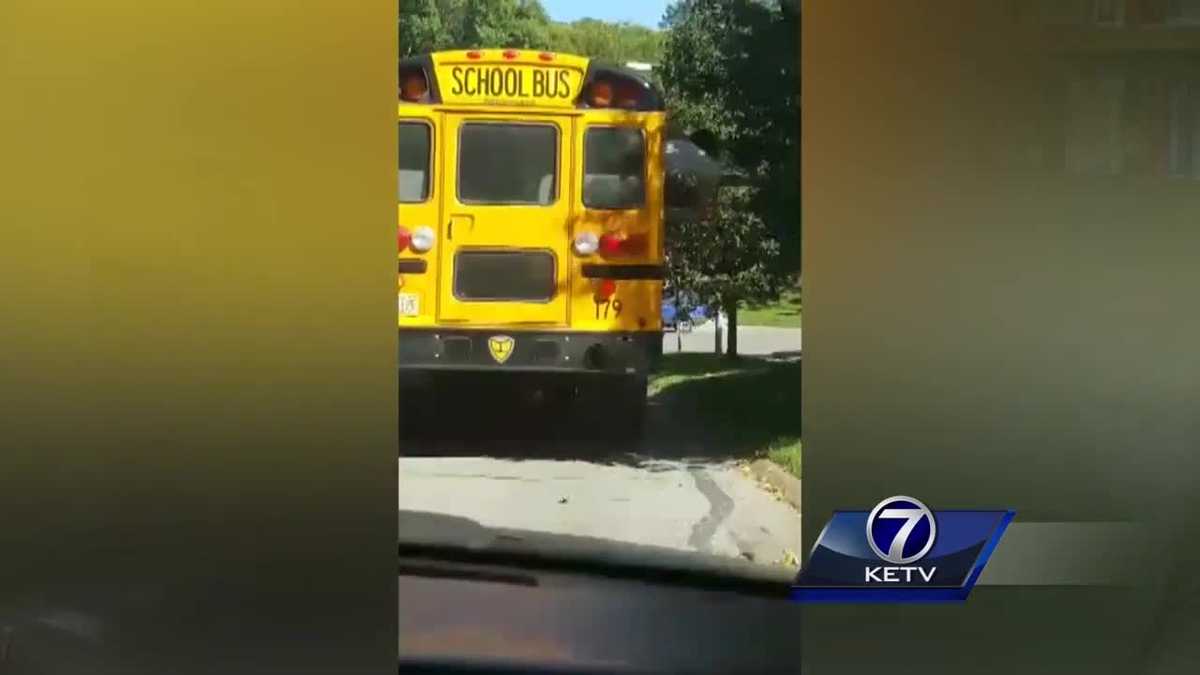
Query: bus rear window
(507,164)
(414,162)
(614,174)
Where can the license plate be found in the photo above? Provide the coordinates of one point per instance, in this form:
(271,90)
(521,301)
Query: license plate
(410,304)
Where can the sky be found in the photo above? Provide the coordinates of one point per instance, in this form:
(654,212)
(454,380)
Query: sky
(644,12)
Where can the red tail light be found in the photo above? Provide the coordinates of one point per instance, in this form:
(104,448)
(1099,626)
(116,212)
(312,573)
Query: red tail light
(606,289)
(610,244)
(615,244)
(635,244)
(403,239)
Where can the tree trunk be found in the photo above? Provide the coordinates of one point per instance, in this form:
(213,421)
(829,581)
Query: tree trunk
(731,341)
(717,332)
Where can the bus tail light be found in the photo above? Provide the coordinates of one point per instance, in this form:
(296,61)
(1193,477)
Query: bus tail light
(586,243)
(605,289)
(610,244)
(422,239)
(403,239)
(614,245)
(635,244)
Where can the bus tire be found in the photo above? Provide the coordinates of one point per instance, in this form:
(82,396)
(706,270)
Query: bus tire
(417,403)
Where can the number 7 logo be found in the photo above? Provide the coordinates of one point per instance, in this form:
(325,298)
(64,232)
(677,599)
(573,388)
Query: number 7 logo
(913,513)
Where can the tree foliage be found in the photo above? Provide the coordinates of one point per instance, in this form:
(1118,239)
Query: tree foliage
(726,255)
(729,69)
(433,25)
(615,42)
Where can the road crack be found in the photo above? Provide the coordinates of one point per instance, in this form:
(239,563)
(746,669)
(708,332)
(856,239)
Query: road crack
(720,505)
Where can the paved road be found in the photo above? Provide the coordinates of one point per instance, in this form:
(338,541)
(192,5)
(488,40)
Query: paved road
(516,465)
(711,507)
(752,340)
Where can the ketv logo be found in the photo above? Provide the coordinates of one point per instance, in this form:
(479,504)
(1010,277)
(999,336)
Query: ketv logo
(900,530)
(900,551)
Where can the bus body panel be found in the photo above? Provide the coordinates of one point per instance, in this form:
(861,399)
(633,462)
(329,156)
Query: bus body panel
(639,301)
(474,229)
(496,235)
(417,290)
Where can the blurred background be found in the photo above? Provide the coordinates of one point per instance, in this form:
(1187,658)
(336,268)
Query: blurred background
(1000,209)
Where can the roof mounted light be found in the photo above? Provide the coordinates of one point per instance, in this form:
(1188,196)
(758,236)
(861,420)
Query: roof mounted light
(414,87)
(416,82)
(614,87)
(600,94)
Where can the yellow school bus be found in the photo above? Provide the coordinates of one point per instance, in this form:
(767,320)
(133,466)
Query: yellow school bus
(531,220)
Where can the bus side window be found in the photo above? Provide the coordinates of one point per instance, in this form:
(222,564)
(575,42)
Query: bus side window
(413,186)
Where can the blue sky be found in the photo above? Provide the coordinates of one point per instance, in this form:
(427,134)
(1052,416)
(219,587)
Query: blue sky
(644,12)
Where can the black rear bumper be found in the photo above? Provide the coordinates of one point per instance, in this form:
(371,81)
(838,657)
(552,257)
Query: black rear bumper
(529,351)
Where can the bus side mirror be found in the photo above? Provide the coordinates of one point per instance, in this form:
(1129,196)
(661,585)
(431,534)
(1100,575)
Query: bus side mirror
(707,141)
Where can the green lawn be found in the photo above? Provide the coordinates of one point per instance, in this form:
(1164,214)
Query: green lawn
(786,453)
(688,367)
(784,313)
(750,406)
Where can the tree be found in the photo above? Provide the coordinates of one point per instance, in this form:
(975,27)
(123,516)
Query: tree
(726,255)
(729,69)
(434,25)
(420,26)
(505,23)
(614,42)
